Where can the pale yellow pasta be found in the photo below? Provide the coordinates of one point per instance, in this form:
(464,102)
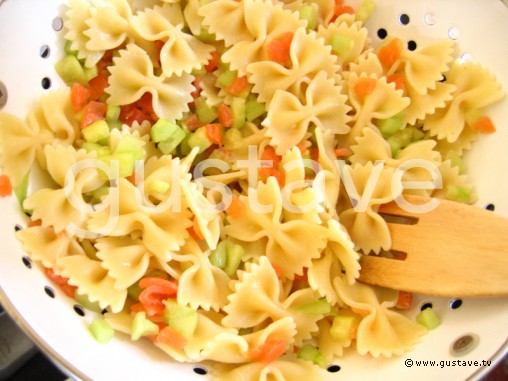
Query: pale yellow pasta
(381,331)
(365,217)
(269,77)
(75,24)
(281,248)
(133,75)
(46,246)
(108,24)
(322,105)
(92,280)
(345,27)
(476,88)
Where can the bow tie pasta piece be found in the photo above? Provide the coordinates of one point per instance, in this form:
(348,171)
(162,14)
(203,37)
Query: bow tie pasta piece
(424,67)
(92,280)
(324,9)
(266,21)
(349,32)
(17,159)
(235,29)
(464,143)
(206,213)
(289,117)
(279,370)
(289,245)
(64,208)
(126,259)
(381,331)
(422,106)
(371,147)
(60,159)
(363,215)
(181,52)
(108,24)
(192,17)
(75,25)
(476,88)
(376,100)
(203,285)
(162,232)
(366,63)
(132,75)
(46,246)
(269,76)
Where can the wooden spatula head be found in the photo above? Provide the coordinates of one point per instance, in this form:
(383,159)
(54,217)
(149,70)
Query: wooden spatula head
(453,250)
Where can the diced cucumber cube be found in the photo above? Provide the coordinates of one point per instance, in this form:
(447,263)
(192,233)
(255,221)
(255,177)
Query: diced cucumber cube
(89,249)
(311,353)
(320,306)
(456,160)
(458,193)
(131,145)
(133,291)
(205,113)
(96,131)
(253,109)
(182,319)
(226,77)
(90,72)
(218,256)
(159,186)
(125,162)
(168,134)
(199,139)
(101,330)
(365,10)
(390,126)
(112,113)
(308,13)
(428,318)
(238,110)
(141,326)
(206,36)
(341,45)
(342,327)
(99,149)
(21,189)
(417,134)
(68,50)
(234,255)
(232,138)
(70,70)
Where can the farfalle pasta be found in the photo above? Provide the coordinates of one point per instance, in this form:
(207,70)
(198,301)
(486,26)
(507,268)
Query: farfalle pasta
(217,168)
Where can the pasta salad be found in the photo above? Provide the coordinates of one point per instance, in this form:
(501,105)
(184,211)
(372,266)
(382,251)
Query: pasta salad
(217,169)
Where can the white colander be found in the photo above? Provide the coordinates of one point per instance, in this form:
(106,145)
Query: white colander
(475,330)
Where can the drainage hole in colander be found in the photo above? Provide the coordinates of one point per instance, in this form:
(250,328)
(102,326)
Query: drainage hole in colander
(490,207)
(49,291)
(455,303)
(443,79)
(27,262)
(404,19)
(429,18)
(333,368)
(44,51)
(454,33)
(18,227)
(79,310)
(57,24)
(425,305)
(46,83)
(382,33)
(464,344)
(411,45)
(202,371)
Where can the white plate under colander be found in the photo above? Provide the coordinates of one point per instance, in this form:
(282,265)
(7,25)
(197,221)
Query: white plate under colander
(29,44)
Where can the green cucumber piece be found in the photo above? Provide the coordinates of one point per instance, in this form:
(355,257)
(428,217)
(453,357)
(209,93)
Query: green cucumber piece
(342,327)
(205,113)
(428,318)
(141,326)
(311,353)
(101,330)
(70,70)
(182,319)
(96,131)
(238,106)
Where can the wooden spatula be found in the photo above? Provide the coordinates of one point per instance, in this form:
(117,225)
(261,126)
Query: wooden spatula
(453,250)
